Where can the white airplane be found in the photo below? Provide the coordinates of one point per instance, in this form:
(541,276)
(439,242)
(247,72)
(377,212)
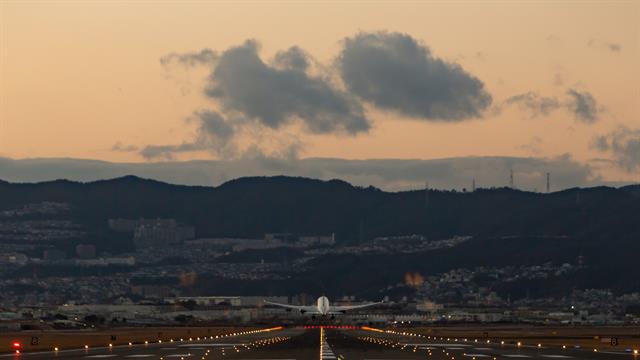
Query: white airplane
(322,307)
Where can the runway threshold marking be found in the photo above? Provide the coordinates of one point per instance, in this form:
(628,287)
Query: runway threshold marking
(325,350)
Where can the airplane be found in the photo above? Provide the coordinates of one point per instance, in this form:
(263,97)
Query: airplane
(323,308)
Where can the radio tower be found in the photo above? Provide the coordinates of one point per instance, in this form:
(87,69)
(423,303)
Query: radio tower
(548,183)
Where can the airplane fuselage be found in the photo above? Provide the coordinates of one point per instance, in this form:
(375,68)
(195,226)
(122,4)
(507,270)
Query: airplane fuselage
(323,305)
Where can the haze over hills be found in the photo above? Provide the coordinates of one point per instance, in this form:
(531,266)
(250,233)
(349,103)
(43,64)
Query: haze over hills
(508,227)
(387,174)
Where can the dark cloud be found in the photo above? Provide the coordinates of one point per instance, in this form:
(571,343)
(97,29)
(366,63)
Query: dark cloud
(605,45)
(388,174)
(214,134)
(276,96)
(583,105)
(167,152)
(394,71)
(537,105)
(293,58)
(623,144)
(202,57)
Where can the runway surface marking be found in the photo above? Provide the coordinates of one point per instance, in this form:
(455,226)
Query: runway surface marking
(202,346)
(325,350)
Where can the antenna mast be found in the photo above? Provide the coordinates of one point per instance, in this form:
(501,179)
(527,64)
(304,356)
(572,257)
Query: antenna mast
(548,183)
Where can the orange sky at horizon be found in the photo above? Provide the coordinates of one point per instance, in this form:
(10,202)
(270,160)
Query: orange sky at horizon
(77,78)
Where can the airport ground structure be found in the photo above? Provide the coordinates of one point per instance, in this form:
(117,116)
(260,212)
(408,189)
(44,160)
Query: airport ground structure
(327,342)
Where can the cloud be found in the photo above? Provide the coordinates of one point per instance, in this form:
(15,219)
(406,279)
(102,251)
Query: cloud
(605,45)
(387,174)
(582,104)
(623,145)
(537,105)
(120,147)
(256,97)
(293,58)
(395,72)
(534,146)
(167,152)
(189,59)
(276,95)
(213,134)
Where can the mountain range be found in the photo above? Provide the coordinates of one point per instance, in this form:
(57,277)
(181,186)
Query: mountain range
(508,226)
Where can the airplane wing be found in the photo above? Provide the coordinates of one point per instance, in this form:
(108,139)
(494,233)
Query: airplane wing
(302,309)
(342,309)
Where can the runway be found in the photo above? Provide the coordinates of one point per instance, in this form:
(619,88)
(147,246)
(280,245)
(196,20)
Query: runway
(328,344)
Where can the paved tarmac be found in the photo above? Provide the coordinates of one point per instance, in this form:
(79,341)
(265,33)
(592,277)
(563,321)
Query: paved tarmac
(326,344)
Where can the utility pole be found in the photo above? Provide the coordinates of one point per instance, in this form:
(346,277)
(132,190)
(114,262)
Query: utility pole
(511,182)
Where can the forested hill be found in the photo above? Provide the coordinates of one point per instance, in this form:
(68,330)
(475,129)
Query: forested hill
(250,207)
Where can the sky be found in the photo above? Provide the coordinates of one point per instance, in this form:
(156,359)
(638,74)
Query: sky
(371,85)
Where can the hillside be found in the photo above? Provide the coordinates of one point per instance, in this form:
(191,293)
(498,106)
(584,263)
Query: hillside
(250,207)
(509,227)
